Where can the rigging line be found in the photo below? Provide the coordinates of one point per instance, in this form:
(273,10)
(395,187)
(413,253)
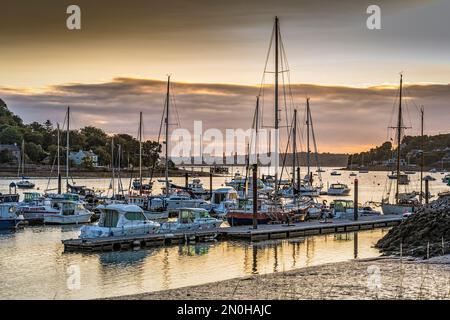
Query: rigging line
(267,58)
(172,91)
(285,156)
(152,171)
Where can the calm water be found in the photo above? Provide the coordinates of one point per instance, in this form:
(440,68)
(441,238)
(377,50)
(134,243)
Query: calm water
(33,264)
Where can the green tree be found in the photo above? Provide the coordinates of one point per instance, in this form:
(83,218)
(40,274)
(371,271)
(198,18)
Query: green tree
(11,135)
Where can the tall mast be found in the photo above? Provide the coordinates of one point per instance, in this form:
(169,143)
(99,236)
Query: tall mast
(308,149)
(294,149)
(167,136)
(112,167)
(399,138)
(256,129)
(67,147)
(276,105)
(58,156)
(140,153)
(422,161)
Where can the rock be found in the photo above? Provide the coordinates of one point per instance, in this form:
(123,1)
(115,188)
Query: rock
(424,234)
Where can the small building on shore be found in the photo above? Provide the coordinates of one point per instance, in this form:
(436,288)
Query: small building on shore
(81,157)
(12,150)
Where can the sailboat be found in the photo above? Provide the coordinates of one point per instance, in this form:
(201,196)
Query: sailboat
(270,210)
(24,183)
(307,188)
(403,202)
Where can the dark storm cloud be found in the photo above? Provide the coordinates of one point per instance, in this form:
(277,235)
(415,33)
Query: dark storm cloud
(344,117)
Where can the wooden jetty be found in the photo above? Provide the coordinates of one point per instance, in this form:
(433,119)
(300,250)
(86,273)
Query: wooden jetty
(264,232)
(133,242)
(309,228)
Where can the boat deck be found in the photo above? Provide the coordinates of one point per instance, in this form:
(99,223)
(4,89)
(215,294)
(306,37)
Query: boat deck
(264,232)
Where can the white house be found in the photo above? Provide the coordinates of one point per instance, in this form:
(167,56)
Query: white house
(78,157)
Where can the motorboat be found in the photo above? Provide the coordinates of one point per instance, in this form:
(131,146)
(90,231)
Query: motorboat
(9,219)
(338,189)
(25,184)
(69,212)
(244,186)
(191,219)
(223,199)
(196,187)
(118,220)
(367,211)
(446,178)
(353,174)
(430,178)
(404,178)
(343,209)
(335,173)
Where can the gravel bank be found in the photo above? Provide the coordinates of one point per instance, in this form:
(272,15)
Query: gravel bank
(383,278)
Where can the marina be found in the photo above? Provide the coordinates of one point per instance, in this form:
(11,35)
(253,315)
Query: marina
(220,149)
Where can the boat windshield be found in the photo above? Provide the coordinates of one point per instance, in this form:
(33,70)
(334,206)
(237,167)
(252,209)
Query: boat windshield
(68,208)
(135,216)
(110,219)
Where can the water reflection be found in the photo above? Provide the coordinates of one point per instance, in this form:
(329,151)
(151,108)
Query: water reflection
(119,273)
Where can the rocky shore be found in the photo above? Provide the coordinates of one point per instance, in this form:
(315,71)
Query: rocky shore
(425,234)
(381,278)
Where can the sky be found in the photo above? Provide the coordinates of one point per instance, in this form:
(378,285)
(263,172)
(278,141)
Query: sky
(116,65)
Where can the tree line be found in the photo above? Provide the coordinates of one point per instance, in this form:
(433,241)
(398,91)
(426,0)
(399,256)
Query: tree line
(40,142)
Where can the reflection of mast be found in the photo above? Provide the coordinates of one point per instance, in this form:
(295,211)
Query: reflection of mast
(140,153)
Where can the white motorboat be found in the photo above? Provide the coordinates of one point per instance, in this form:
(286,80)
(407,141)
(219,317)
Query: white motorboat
(338,189)
(70,212)
(25,184)
(120,220)
(191,219)
(196,186)
(222,200)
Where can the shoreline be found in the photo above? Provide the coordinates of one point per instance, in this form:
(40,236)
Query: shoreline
(373,278)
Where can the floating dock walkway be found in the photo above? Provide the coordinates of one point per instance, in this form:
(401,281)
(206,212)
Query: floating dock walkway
(264,232)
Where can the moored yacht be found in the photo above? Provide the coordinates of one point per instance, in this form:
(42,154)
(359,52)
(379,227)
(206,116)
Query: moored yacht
(120,220)
(191,219)
(69,212)
(338,189)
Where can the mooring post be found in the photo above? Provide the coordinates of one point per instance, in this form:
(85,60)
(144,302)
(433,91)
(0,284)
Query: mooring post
(355,200)
(59,183)
(255,196)
(210,185)
(186,180)
(426,191)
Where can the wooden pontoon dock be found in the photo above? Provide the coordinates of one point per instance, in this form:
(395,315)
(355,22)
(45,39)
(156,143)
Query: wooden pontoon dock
(264,232)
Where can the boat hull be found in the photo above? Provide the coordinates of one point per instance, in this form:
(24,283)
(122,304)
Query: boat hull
(396,209)
(8,224)
(67,219)
(246,218)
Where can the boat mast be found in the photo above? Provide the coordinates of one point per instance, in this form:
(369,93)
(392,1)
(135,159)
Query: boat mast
(276,106)
(167,136)
(294,150)
(399,138)
(422,162)
(67,147)
(308,149)
(140,153)
(112,167)
(58,155)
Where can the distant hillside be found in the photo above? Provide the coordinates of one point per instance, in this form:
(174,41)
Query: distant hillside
(436,151)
